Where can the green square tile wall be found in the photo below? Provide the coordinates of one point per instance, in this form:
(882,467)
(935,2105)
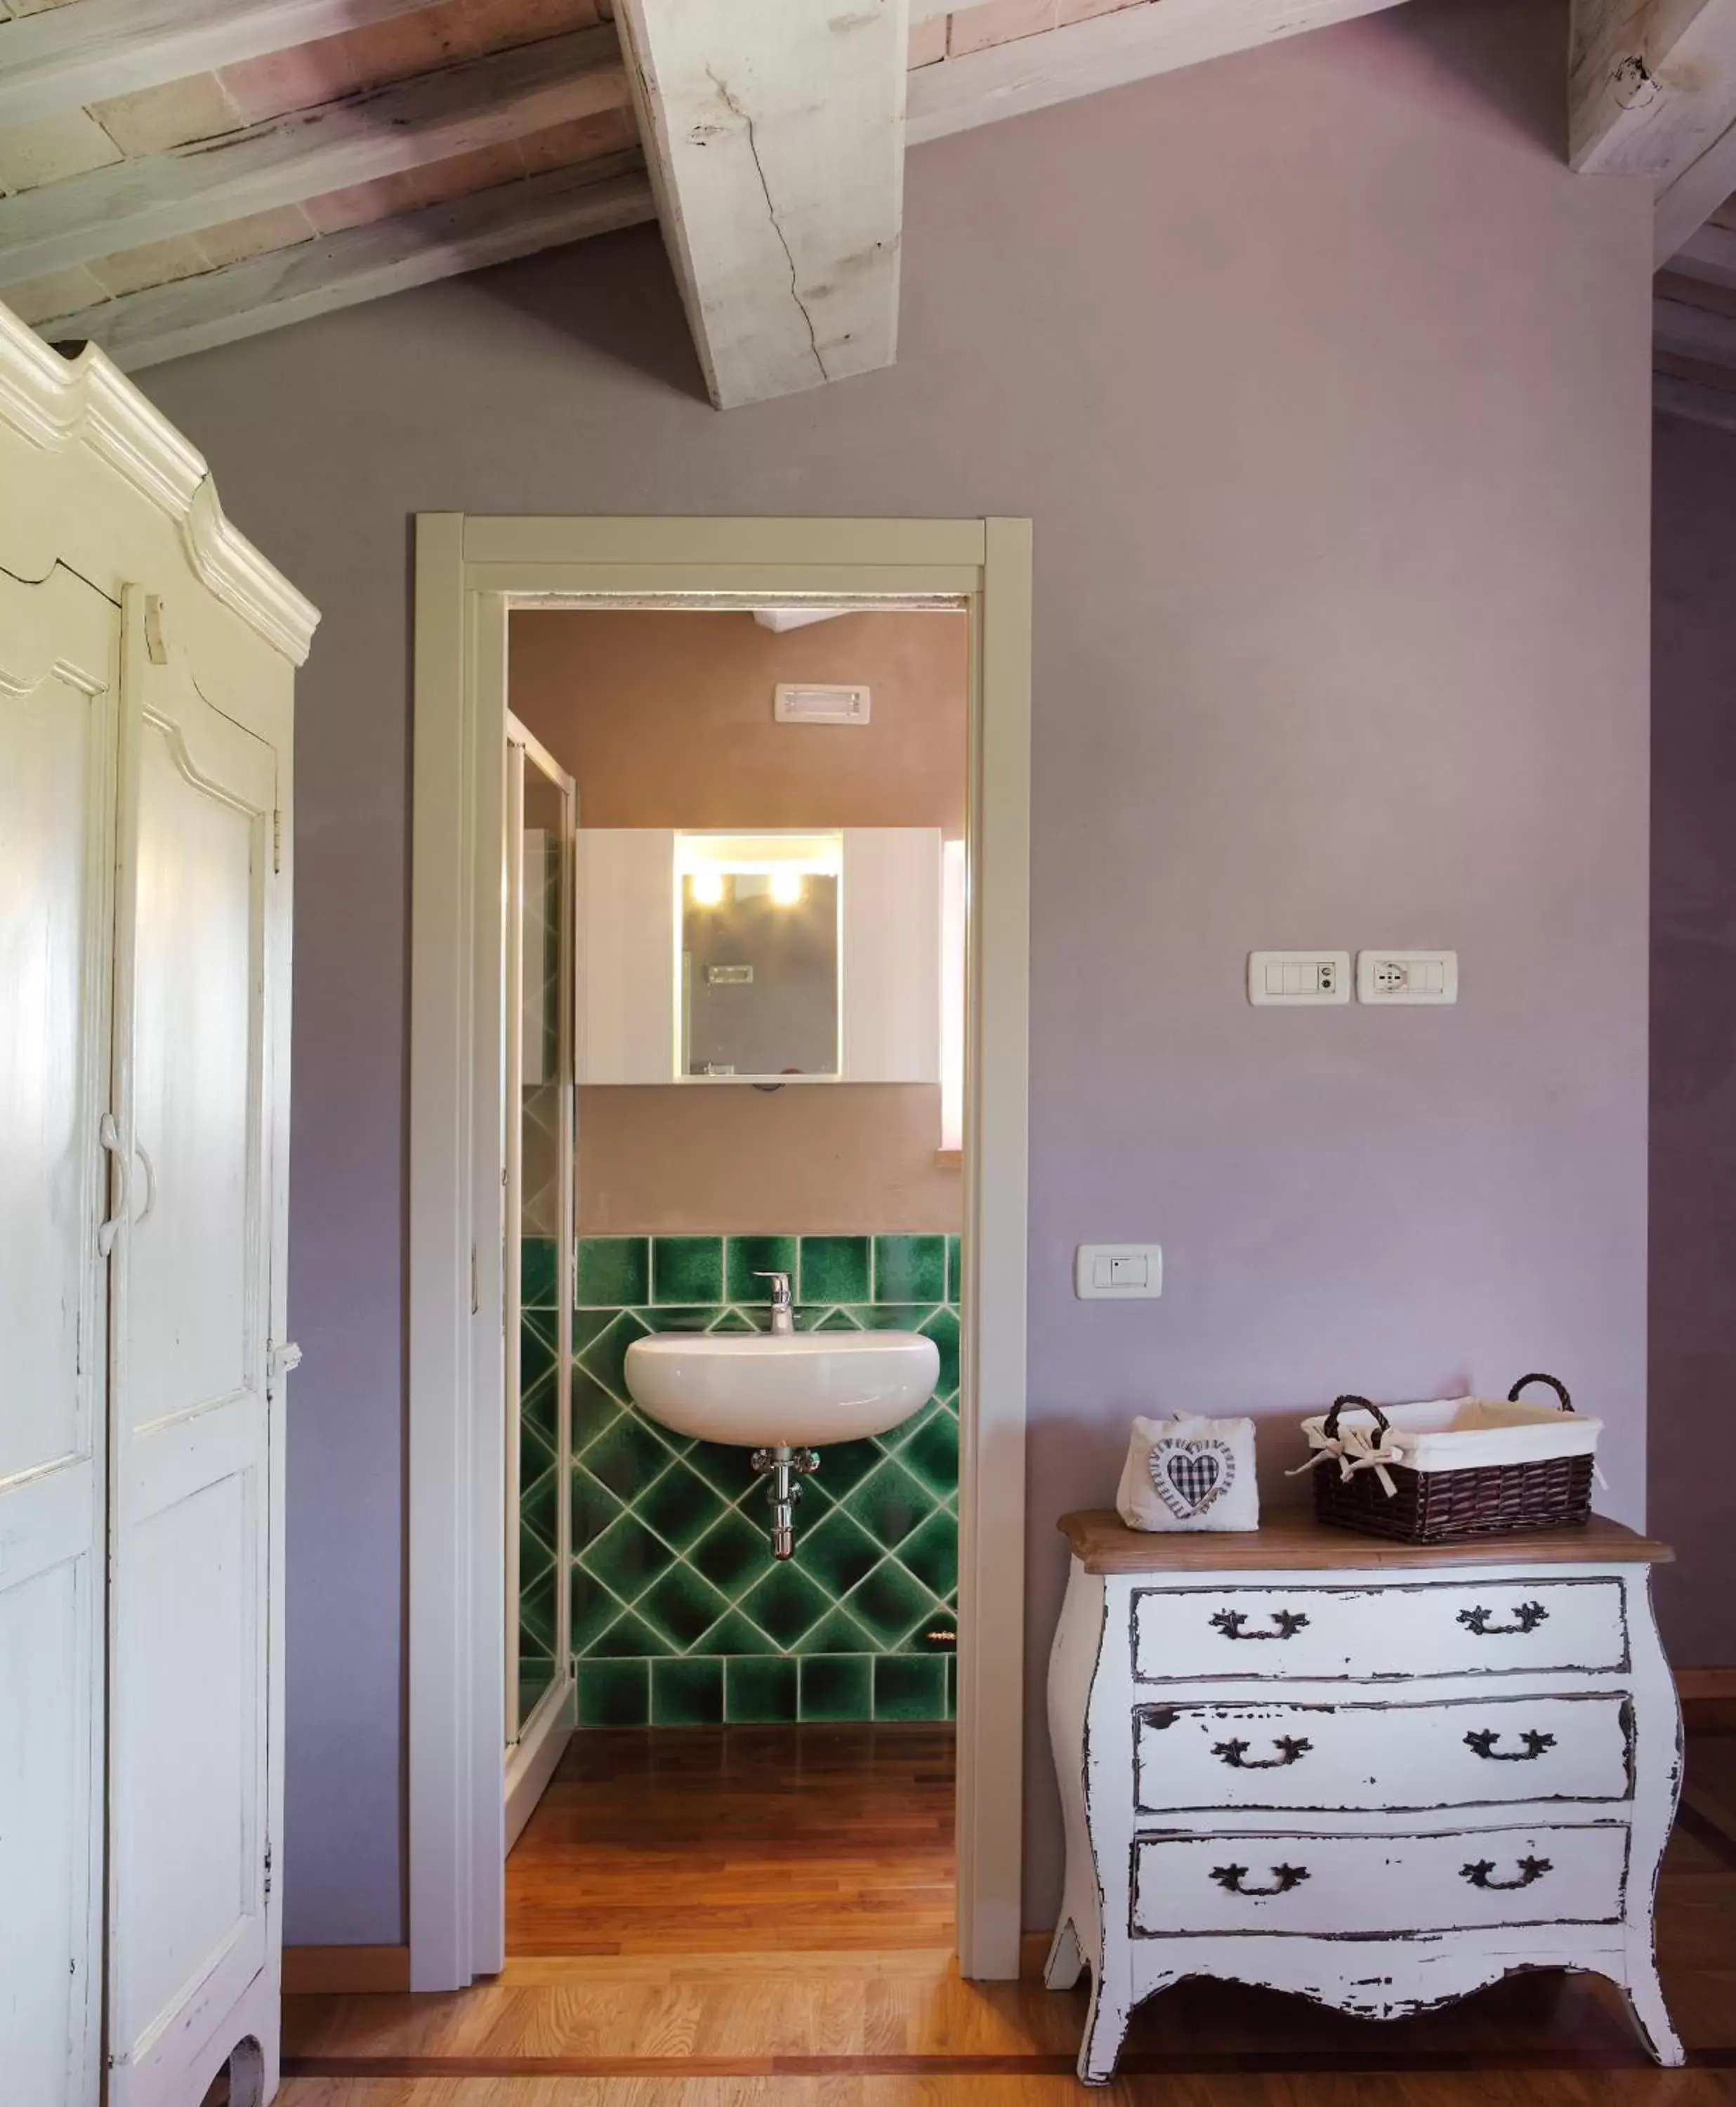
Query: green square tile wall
(680,1615)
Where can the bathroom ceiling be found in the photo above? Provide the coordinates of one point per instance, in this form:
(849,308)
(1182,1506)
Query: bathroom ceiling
(178,173)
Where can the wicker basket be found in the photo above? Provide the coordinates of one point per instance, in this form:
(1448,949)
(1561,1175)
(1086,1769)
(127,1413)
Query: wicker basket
(1437,1496)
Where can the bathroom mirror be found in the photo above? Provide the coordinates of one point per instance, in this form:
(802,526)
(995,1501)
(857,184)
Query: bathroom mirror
(760,934)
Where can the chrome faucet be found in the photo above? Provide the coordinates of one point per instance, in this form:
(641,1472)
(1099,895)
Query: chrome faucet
(783,1309)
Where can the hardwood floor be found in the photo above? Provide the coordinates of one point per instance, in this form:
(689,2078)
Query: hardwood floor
(739,1839)
(750,1980)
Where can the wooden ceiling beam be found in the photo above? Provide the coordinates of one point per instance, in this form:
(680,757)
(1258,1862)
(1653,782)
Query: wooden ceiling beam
(90,50)
(774,135)
(361,263)
(1652,91)
(357,139)
(1005,80)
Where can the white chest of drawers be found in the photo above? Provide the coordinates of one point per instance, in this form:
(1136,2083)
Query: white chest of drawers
(1377,1774)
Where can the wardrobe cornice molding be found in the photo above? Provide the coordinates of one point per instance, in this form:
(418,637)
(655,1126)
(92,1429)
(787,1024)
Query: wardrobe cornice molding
(57,402)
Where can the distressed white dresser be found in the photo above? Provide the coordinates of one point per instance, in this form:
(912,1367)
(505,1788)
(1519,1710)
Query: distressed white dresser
(1379,1774)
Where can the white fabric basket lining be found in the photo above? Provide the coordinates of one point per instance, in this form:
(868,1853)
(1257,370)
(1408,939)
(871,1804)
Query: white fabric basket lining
(1470,1433)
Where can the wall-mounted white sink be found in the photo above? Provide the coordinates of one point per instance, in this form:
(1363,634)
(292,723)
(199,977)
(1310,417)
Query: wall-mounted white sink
(764,1390)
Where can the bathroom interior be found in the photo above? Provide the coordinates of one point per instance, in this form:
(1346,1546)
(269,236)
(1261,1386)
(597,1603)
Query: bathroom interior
(736,936)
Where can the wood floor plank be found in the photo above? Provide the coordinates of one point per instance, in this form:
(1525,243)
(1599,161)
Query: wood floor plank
(778,1906)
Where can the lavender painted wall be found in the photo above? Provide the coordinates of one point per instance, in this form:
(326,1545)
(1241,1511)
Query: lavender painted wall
(1694,1030)
(1326,386)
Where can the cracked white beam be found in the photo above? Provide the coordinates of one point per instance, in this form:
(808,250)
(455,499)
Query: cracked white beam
(774,135)
(1652,91)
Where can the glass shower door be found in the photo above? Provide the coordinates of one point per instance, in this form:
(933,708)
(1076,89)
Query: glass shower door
(539,1194)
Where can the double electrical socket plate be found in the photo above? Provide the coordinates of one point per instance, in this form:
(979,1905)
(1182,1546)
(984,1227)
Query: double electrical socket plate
(1289,979)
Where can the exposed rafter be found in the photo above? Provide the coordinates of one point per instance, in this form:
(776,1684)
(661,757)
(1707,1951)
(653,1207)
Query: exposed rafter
(1651,90)
(775,137)
(358,139)
(362,263)
(1005,80)
(90,50)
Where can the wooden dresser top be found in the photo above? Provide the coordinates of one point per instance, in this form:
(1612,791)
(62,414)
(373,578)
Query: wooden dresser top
(1289,1539)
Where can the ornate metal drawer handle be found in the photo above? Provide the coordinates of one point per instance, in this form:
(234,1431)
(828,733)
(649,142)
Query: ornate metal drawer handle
(1230,1623)
(1478,1871)
(1482,1743)
(1284,1878)
(1526,1618)
(1290,1747)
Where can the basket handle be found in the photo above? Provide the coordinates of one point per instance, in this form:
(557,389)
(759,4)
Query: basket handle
(1367,1404)
(1555,1383)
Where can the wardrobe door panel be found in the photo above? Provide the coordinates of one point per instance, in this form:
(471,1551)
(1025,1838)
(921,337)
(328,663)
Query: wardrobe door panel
(57,649)
(189,1683)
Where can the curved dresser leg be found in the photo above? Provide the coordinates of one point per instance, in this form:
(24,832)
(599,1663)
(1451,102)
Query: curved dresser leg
(1066,1963)
(1105,2028)
(1645,2004)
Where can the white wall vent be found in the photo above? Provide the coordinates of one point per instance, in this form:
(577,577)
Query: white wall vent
(795,705)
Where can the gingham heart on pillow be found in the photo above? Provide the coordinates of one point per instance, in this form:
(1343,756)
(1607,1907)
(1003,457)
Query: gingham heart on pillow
(1189,1475)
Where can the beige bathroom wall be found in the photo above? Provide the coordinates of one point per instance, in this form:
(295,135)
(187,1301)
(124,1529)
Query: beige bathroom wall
(665,719)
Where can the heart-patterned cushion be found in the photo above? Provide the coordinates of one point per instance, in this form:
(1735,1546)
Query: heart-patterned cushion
(1189,1475)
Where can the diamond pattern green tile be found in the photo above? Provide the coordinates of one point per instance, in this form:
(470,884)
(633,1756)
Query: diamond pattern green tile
(540,1510)
(837,1686)
(681,1607)
(735,1633)
(628,1456)
(613,1272)
(907,1688)
(889,1504)
(930,1452)
(835,1270)
(837,1552)
(785,1603)
(732,1554)
(686,1693)
(943,1329)
(679,1506)
(629,1639)
(955,1270)
(614,1693)
(838,1632)
(746,1257)
(605,1356)
(679,1613)
(760,1691)
(537,1600)
(594,1508)
(910,1269)
(687,1270)
(891,1604)
(627,1557)
(931,1552)
(591,1607)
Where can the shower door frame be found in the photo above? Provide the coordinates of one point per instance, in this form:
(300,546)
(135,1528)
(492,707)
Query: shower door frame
(469,572)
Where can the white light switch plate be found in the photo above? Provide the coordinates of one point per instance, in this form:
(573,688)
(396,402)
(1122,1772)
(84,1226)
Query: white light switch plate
(1407,977)
(1285,979)
(1120,1273)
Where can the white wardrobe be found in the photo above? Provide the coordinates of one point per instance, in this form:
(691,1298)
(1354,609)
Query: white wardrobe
(146,667)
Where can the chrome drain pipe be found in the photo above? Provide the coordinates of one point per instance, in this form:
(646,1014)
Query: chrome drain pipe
(785,1466)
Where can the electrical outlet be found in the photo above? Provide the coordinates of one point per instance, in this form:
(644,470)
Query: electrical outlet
(1407,977)
(1286,979)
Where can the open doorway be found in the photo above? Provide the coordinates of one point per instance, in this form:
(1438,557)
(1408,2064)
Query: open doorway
(759,1576)
(473,575)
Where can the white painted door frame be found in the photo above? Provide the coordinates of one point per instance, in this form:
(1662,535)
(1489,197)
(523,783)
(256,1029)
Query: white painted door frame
(469,570)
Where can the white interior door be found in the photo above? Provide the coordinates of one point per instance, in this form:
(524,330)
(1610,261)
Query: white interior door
(189,1677)
(58,642)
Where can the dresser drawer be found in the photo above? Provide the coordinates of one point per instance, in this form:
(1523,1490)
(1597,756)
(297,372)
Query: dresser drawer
(1409,1629)
(1371,1886)
(1395,1756)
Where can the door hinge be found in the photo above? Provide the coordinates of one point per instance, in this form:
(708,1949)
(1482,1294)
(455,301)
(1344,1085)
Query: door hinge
(268,1866)
(276,842)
